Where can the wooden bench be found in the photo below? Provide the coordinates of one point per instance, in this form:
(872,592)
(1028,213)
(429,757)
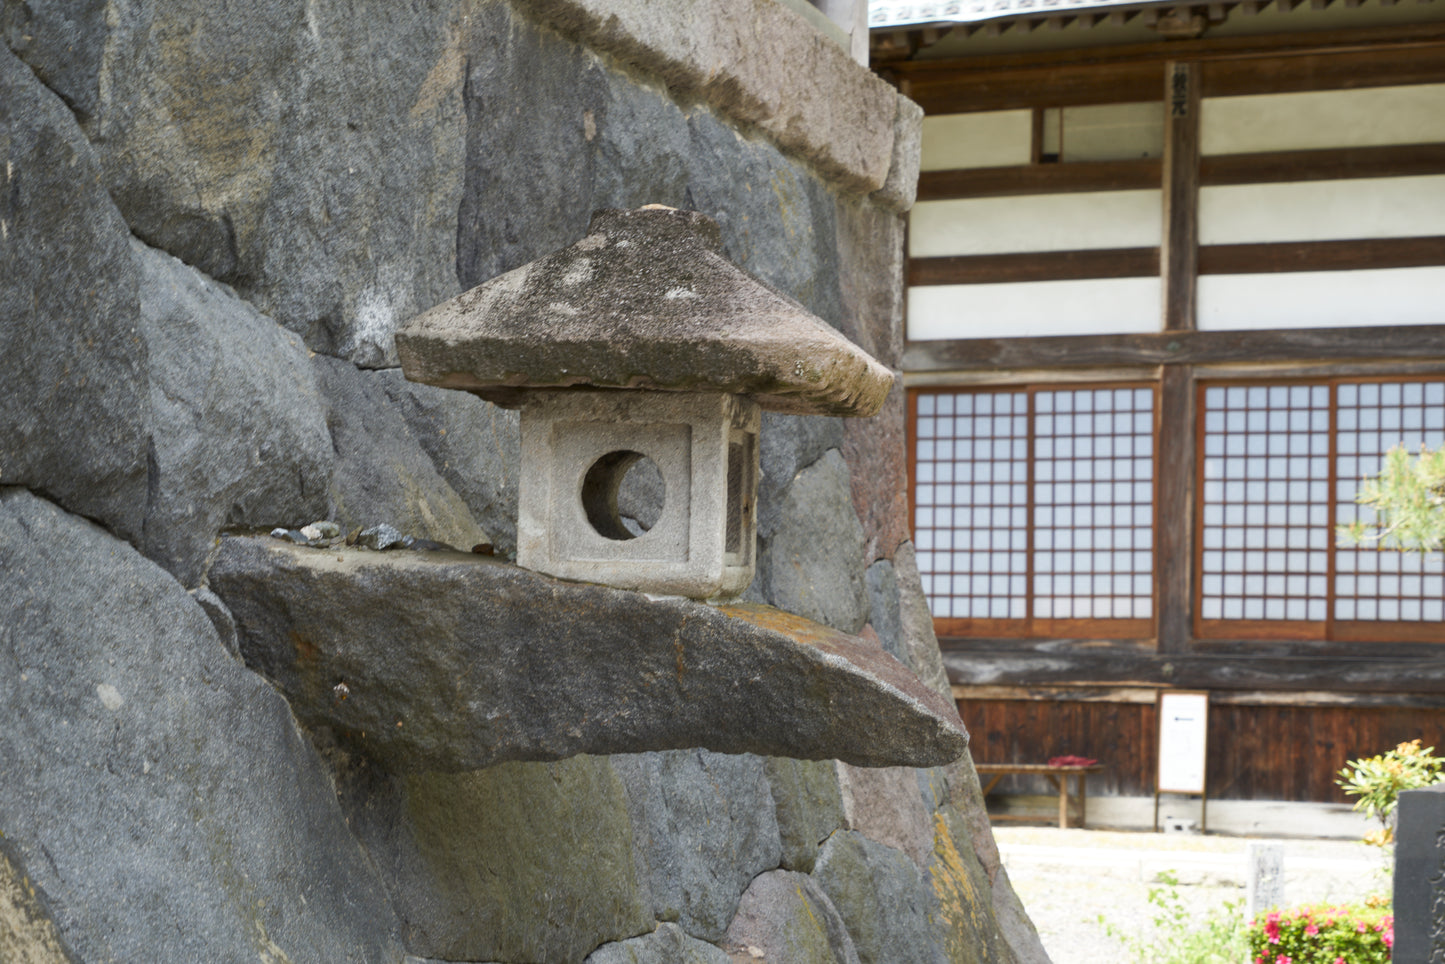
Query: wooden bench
(1059,776)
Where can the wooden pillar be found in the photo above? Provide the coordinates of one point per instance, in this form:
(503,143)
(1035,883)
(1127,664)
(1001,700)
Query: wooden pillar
(1174,524)
(1179,250)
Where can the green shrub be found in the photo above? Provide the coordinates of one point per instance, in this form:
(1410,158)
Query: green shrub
(1177,936)
(1353,934)
(1378,780)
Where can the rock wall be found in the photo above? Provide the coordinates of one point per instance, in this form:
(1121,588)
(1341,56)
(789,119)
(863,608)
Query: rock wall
(212,219)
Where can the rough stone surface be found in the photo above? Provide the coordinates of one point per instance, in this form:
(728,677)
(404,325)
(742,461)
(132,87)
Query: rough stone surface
(884,804)
(646,300)
(608,141)
(237,432)
(876,453)
(705,827)
(740,57)
(883,613)
(871,263)
(901,189)
(886,904)
(788,444)
(456,661)
(787,917)
(669,944)
(305,153)
(808,802)
(27,934)
(75,425)
(474,445)
(519,862)
(220,618)
(916,638)
(967,925)
(815,563)
(128,731)
(382,473)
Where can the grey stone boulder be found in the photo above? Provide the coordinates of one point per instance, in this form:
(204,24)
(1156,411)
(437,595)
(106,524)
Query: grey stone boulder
(814,564)
(758,62)
(785,916)
(917,639)
(383,476)
(75,423)
(788,444)
(310,154)
(890,910)
(969,929)
(704,827)
(474,445)
(454,661)
(885,804)
(238,436)
(669,944)
(808,802)
(518,862)
(157,793)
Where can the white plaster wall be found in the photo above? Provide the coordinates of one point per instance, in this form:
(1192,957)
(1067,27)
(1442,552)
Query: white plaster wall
(1036,222)
(1318,119)
(1387,207)
(996,138)
(1322,299)
(1105,132)
(1091,307)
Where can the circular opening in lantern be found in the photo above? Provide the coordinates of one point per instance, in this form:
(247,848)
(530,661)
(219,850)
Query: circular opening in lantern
(623,494)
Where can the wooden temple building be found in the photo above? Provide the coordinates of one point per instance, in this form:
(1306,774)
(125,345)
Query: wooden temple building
(1176,282)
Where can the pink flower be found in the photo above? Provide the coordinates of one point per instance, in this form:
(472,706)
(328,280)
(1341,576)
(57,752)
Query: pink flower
(1390,939)
(1311,930)
(1339,960)
(1361,927)
(1283,959)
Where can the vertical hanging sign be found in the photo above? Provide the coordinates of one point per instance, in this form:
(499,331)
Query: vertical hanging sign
(1179,91)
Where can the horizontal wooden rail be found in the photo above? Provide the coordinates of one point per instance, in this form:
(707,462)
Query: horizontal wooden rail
(1268,167)
(1385,342)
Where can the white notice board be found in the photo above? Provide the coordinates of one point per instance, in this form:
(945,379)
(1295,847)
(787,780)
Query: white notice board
(1183,731)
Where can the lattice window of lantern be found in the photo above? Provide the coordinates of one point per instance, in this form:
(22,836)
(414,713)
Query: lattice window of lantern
(1279,468)
(1033,510)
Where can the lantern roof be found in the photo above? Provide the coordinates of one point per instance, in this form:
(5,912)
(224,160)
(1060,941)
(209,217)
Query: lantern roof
(646,300)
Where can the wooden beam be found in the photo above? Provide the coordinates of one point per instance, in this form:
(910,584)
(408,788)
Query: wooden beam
(976,667)
(1034,266)
(1307,60)
(1320,71)
(1264,258)
(1334,164)
(1068,86)
(1273,167)
(1074,177)
(1283,256)
(1178,256)
(1384,342)
(1147,695)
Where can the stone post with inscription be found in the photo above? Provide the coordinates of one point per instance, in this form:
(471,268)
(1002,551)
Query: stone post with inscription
(1420,876)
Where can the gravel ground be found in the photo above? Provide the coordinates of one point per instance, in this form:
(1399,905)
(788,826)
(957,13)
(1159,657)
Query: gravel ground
(1067,879)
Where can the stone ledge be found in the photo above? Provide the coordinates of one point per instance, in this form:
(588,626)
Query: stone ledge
(762,64)
(452,661)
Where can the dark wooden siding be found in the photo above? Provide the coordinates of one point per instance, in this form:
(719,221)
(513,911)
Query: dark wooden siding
(1255,752)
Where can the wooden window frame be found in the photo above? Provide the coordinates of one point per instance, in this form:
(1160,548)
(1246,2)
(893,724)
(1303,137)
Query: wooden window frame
(1031,626)
(1329,629)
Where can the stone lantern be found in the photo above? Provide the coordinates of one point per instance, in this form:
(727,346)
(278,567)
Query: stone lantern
(641,343)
